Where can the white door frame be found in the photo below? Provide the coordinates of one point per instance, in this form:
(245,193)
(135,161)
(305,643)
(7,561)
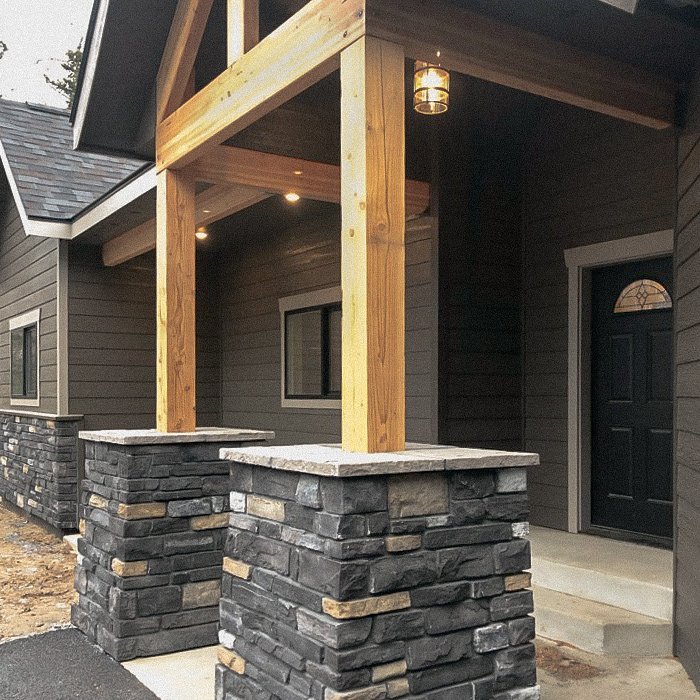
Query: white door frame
(579,262)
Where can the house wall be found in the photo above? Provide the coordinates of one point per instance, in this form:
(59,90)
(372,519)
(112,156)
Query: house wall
(480,294)
(293,260)
(112,343)
(588,179)
(28,275)
(687,457)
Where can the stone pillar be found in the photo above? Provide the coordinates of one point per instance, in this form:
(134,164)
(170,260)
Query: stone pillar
(39,465)
(154,517)
(367,577)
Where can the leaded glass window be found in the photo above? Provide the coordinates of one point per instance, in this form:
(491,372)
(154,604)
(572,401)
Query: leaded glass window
(643,295)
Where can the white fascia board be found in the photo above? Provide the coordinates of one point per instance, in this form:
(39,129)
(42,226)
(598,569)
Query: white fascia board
(32,227)
(145,182)
(136,187)
(626,5)
(89,75)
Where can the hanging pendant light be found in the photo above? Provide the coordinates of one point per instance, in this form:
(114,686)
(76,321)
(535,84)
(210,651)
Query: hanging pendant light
(431,88)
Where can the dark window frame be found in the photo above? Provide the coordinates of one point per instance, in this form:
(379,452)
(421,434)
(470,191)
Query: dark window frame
(30,365)
(325,368)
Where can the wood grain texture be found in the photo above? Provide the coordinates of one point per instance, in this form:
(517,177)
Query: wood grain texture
(243,27)
(213,204)
(295,56)
(501,53)
(175,303)
(180,54)
(373,246)
(281,174)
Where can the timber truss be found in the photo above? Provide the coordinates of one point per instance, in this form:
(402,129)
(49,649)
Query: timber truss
(368,40)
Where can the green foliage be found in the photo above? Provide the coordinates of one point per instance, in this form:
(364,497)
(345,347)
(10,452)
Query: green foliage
(69,82)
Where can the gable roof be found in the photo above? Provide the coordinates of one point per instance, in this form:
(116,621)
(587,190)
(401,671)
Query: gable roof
(52,181)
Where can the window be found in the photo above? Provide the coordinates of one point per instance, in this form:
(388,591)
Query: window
(642,295)
(311,327)
(24,354)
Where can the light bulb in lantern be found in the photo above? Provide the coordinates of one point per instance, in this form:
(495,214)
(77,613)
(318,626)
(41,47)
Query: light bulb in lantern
(431,88)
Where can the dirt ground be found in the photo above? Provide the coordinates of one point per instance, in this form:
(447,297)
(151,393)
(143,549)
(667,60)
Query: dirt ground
(36,578)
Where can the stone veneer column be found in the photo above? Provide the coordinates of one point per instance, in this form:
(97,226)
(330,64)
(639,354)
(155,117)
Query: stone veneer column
(368,577)
(154,518)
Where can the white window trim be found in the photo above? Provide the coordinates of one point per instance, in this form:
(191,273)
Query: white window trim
(29,319)
(320,297)
(579,262)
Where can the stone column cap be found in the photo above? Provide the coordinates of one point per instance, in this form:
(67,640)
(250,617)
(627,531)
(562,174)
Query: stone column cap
(331,460)
(154,437)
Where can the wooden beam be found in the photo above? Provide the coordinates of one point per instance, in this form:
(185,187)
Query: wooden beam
(243,27)
(281,174)
(295,56)
(180,54)
(492,50)
(175,298)
(213,204)
(373,246)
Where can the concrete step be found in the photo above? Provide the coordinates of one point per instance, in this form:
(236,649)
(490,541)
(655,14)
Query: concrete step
(628,576)
(599,628)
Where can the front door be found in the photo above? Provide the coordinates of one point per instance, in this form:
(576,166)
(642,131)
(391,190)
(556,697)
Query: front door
(632,398)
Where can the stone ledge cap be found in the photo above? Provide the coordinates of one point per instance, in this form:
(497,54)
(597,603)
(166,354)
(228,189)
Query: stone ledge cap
(154,437)
(331,460)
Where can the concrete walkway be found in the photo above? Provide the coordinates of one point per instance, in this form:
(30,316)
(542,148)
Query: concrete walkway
(565,673)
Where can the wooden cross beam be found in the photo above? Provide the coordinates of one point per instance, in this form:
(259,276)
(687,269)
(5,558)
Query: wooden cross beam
(180,53)
(213,204)
(282,174)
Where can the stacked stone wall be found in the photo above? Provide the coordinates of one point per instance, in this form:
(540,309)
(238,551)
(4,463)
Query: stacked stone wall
(406,586)
(39,467)
(153,526)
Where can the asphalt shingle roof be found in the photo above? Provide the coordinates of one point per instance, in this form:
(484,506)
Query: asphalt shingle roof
(54,181)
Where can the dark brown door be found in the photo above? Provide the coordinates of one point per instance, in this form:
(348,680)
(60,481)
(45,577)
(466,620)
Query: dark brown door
(632,398)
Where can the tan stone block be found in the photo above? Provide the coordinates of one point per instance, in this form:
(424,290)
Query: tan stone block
(32,503)
(209,522)
(202,594)
(25,469)
(141,511)
(231,660)
(237,568)
(516,582)
(126,569)
(403,543)
(411,495)
(263,507)
(20,500)
(375,692)
(386,671)
(397,688)
(81,527)
(98,502)
(367,606)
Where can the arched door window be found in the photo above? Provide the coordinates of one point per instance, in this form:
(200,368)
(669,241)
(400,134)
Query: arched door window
(643,295)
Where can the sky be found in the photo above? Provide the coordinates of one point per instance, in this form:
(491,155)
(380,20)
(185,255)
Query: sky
(38,33)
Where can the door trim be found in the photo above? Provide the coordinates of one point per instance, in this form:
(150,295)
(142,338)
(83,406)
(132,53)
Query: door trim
(579,262)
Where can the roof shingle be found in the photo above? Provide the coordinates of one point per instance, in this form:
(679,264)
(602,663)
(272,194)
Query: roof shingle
(54,181)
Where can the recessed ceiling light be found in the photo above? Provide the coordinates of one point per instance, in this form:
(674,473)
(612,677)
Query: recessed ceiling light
(292,197)
(206,211)
(201,233)
(298,172)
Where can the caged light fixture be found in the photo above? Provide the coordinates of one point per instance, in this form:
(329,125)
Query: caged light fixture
(431,88)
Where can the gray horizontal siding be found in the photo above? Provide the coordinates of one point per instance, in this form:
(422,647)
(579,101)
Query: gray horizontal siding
(112,343)
(687,457)
(28,280)
(480,292)
(293,261)
(588,179)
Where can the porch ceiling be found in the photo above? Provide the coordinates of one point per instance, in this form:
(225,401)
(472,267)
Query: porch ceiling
(658,38)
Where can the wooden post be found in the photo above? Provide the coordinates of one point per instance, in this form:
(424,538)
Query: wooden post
(373,252)
(175,284)
(243,27)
